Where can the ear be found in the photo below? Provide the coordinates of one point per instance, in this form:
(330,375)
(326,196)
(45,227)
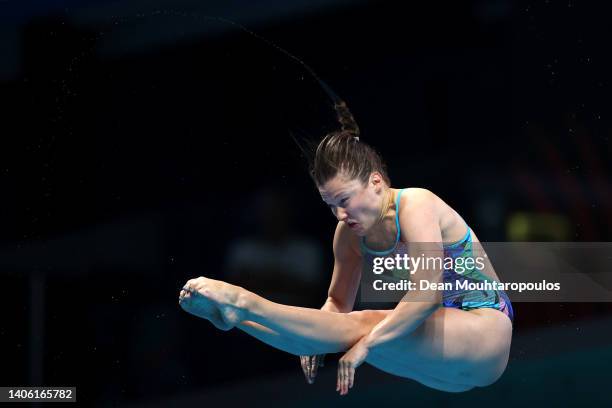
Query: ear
(377,181)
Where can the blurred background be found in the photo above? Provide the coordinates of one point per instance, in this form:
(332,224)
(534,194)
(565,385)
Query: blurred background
(143,144)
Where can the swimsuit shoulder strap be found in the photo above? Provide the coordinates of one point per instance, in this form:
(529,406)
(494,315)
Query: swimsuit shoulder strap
(362,242)
(397,224)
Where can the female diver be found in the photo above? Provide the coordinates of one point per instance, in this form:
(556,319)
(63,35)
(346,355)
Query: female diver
(450,340)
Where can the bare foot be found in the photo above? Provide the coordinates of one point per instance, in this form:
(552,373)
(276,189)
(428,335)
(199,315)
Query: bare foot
(212,298)
(192,302)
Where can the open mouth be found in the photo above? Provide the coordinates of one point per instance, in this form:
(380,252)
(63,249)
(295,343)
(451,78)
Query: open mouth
(352,224)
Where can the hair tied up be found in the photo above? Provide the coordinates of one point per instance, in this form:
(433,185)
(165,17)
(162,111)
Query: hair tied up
(347,122)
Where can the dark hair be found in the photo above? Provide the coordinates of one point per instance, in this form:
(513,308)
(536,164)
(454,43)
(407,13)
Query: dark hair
(342,151)
(339,151)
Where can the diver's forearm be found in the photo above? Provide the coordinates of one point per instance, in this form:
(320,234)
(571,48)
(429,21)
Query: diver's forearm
(404,319)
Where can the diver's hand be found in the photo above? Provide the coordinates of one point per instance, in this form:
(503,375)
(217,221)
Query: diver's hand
(310,365)
(348,363)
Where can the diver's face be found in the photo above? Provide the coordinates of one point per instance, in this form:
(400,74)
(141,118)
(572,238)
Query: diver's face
(353,202)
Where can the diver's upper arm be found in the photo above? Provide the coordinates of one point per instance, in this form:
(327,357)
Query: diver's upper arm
(347,268)
(419,220)
(419,217)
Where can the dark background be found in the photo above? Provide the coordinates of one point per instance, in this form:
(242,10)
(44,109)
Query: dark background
(135,142)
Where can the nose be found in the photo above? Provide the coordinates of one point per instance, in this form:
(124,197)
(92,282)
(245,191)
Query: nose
(341,214)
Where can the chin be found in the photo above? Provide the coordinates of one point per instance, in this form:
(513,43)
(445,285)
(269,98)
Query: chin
(361,232)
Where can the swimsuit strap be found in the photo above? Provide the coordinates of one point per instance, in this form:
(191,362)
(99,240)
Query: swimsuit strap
(397,237)
(467,236)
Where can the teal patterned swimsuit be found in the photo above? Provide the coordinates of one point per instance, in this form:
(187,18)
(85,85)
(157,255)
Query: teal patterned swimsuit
(458,298)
